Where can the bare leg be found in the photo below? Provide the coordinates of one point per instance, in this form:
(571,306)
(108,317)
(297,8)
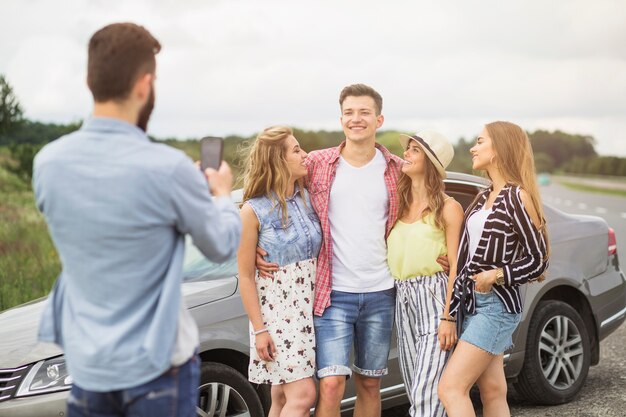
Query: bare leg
(278,401)
(300,396)
(466,365)
(492,385)
(367,396)
(331,393)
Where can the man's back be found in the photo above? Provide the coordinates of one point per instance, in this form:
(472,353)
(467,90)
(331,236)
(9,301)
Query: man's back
(117,207)
(106,200)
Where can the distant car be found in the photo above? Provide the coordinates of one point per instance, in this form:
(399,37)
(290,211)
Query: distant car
(582,302)
(543,178)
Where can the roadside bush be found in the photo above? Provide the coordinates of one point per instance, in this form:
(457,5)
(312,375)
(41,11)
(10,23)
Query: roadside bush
(23,155)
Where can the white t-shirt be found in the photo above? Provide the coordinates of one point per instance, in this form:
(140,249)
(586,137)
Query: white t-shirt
(475,226)
(357,213)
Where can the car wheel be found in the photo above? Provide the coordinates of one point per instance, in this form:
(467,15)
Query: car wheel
(557,356)
(225,392)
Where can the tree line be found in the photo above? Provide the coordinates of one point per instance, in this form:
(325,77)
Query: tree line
(555,152)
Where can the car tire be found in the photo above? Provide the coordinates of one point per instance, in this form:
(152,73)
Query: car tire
(223,391)
(558,355)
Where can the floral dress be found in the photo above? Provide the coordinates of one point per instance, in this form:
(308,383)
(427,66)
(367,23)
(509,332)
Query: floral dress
(287,299)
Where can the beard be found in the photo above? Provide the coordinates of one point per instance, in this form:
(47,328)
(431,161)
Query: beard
(146,111)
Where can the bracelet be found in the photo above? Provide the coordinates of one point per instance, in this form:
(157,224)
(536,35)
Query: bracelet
(447,319)
(257,332)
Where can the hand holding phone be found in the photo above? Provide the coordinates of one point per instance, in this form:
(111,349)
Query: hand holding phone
(211,149)
(220,180)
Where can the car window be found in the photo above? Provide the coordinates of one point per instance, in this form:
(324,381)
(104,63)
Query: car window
(197,267)
(462,192)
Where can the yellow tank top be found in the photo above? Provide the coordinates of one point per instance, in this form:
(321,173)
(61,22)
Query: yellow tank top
(413,248)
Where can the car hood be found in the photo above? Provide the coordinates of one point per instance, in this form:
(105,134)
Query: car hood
(19,325)
(18,336)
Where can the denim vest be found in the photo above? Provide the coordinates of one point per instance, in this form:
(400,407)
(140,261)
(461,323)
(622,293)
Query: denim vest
(298,239)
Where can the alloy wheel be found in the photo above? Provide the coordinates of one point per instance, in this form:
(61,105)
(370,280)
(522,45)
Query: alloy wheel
(220,400)
(561,352)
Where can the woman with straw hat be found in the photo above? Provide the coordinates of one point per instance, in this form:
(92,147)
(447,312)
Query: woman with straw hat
(428,226)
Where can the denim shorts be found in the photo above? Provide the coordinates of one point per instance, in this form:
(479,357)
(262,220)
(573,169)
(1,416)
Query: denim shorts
(492,326)
(362,319)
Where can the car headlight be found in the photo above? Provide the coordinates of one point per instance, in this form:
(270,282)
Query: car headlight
(45,376)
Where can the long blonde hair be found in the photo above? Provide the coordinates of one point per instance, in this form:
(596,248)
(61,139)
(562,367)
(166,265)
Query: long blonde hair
(266,172)
(434,189)
(515,160)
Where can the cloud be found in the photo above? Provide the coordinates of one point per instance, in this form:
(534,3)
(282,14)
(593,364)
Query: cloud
(237,66)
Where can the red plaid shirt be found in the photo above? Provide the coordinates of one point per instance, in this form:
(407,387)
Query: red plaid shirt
(322,166)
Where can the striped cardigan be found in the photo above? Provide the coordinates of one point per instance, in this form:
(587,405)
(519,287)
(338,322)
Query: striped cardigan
(509,241)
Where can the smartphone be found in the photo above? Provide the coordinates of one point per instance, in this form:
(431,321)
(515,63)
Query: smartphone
(211,152)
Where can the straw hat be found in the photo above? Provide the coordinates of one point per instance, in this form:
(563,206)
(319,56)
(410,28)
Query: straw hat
(436,147)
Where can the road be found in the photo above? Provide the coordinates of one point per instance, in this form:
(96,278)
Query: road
(604,393)
(611,208)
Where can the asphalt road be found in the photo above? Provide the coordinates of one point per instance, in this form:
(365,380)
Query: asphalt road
(611,208)
(604,393)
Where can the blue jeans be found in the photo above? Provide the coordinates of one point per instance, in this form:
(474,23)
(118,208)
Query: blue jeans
(365,319)
(173,394)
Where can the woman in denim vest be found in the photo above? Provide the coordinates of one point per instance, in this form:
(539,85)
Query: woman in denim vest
(277,215)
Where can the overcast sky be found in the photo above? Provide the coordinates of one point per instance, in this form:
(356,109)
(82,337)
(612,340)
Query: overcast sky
(237,66)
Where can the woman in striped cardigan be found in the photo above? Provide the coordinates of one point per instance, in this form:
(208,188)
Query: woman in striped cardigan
(503,245)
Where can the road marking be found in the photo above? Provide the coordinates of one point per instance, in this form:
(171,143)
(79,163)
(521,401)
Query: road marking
(582,206)
(601,210)
(568,203)
(623,215)
(557,200)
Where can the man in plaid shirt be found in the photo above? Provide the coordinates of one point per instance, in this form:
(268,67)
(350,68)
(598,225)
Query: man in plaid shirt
(353,191)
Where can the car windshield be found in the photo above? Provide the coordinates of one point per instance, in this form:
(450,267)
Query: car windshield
(196,267)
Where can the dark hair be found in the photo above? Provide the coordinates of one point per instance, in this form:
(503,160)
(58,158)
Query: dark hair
(359,90)
(118,55)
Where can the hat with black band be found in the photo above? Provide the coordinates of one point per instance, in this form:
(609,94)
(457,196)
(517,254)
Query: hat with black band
(436,147)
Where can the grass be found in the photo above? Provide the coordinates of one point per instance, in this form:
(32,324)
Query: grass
(593,189)
(28,261)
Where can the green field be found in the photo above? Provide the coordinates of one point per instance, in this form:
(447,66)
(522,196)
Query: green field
(28,261)
(593,189)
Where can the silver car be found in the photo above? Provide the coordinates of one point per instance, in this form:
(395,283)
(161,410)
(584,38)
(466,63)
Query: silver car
(582,302)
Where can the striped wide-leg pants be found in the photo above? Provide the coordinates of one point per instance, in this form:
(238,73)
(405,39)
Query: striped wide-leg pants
(421,359)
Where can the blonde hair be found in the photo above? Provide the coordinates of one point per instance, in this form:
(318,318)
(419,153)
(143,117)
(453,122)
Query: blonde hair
(266,172)
(434,189)
(515,160)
